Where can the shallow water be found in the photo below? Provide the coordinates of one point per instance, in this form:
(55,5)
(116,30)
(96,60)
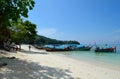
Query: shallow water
(108,59)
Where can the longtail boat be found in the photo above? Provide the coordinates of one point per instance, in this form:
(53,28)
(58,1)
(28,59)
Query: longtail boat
(56,48)
(81,48)
(110,49)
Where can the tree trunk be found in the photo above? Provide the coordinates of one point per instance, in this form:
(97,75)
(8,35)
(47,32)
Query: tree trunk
(4,36)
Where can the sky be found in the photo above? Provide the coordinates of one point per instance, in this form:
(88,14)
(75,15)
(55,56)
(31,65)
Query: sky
(86,21)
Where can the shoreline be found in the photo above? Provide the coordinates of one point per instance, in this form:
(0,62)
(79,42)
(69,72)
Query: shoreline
(78,69)
(99,63)
(42,65)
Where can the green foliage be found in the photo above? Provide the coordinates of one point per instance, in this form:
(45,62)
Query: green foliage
(44,40)
(11,10)
(23,30)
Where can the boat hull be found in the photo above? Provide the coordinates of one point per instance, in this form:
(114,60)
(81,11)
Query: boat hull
(82,49)
(52,49)
(105,50)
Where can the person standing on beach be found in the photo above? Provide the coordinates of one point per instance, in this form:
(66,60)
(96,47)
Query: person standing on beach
(29,47)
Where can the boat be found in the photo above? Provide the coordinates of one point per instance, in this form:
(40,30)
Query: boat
(38,46)
(81,48)
(56,48)
(105,49)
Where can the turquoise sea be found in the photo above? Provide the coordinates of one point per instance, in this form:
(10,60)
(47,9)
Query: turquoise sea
(111,60)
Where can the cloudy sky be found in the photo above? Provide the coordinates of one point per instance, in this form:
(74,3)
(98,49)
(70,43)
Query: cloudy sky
(81,20)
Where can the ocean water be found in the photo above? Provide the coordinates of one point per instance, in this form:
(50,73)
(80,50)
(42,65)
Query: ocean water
(105,59)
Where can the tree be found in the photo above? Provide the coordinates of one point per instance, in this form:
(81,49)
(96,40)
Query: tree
(11,11)
(44,40)
(23,31)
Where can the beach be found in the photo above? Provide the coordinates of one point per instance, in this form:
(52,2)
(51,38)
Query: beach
(39,64)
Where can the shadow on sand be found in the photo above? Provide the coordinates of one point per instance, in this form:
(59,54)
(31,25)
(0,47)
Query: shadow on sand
(19,69)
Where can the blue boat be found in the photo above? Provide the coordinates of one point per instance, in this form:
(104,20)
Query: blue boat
(81,48)
(56,48)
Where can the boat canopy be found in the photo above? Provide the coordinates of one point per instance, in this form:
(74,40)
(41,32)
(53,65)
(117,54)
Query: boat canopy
(56,46)
(49,46)
(81,45)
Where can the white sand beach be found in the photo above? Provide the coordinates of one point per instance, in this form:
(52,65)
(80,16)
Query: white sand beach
(39,64)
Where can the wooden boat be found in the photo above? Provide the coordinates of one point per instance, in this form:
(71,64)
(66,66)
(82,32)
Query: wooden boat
(57,48)
(81,48)
(112,49)
(38,47)
(54,49)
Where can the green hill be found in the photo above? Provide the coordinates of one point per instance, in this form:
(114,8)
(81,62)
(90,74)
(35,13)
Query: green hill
(44,40)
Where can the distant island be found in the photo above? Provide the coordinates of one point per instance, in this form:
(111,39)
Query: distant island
(42,40)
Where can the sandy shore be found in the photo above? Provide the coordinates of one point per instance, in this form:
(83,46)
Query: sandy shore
(37,64)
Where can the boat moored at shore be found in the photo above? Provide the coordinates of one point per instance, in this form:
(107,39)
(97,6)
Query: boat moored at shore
(57,48)
(81,48)
(106,48)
